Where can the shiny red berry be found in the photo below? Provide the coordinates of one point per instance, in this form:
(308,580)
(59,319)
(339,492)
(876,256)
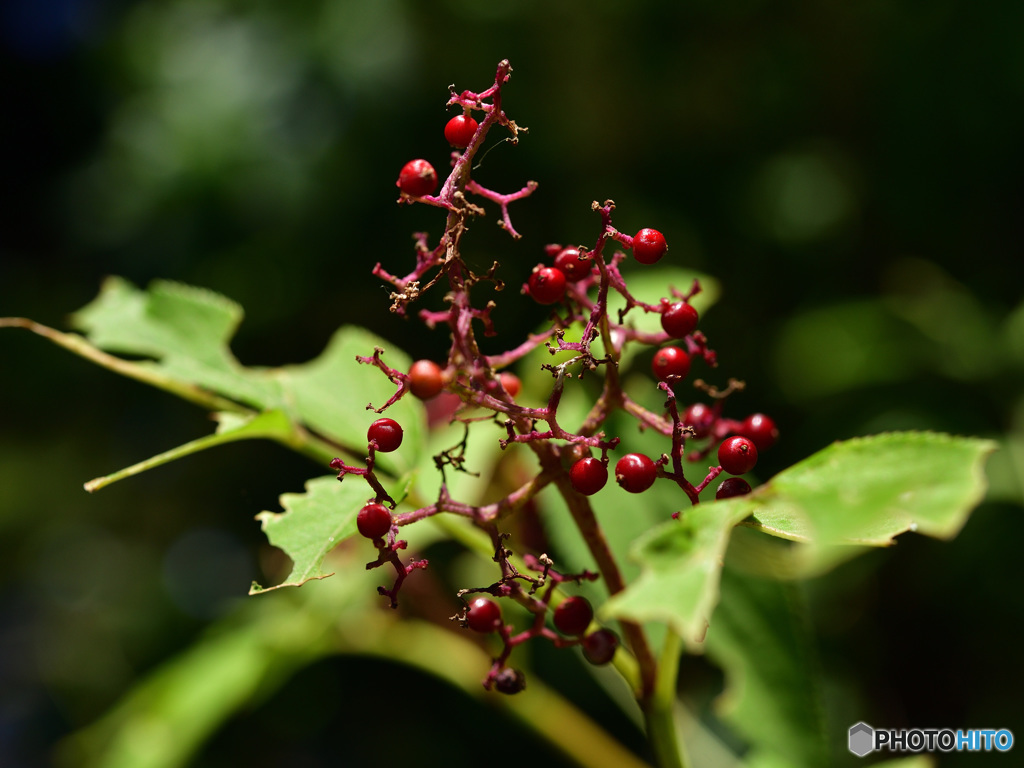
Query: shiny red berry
(761,429)
(599,647)
(459,131)
(573,615)
(510,383)
(373,520)
(483,615)
(417,178)
(574,265)
(679,320)
(547,284)
(700,418)
(635,472)
(588,475)
(737,455)
(425,379)
(670,361)
(732,486)
(649,246)
(387,433)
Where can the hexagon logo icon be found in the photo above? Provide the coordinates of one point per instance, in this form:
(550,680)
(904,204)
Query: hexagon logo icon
(862,739)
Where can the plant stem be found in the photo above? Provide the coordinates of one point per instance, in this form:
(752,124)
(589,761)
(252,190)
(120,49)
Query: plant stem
(148,375)
(659,712)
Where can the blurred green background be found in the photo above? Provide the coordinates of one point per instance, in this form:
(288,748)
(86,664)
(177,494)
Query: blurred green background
(851,172)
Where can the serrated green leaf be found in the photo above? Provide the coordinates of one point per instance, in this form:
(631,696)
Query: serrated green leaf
(682,560)
(312,524)
(186,332)
(868,490)
(185,329)
(762,641)
(859,492)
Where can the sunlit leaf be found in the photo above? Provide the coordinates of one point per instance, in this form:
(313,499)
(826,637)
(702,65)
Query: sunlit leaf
(312,524)
(860,492)
(868,490)
(682,561)
(185,330)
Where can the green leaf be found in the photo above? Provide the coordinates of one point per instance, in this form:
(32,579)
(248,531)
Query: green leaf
(272,425)
(868,490)
(860,492)
(682,560)
(313,524)
(185,333)
(762,640)
(185,329)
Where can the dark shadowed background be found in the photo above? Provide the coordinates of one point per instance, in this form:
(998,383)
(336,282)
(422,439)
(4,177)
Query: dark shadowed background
(851,172)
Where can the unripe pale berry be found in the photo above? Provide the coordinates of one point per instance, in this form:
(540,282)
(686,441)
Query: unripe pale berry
(737,455)
(547,284)
(635,472)
(417,178)
(599,647)
(761,429)
(373,521)
(425,379)
(387,433)
(732,486)
(588,475)
(670,361)
(649,246)
(483,615)
(459,131)
(572,265)
(573,615)
(679,320)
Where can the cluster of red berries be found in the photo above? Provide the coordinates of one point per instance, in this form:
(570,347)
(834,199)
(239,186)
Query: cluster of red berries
(572,617)
(567,280)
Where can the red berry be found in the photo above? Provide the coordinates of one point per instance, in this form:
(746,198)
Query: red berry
(511,383)
(460,130)
(387,433)
(573,615)
(679,319)
(670,361)
(588,475)
(373,521)
(635,472)
(732,486)
(701,418)
(737,455)
(599,647)
(483,615)
(425,379)
(547,284)
(417,178)
(761,429)
(574,265)
(649,246)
